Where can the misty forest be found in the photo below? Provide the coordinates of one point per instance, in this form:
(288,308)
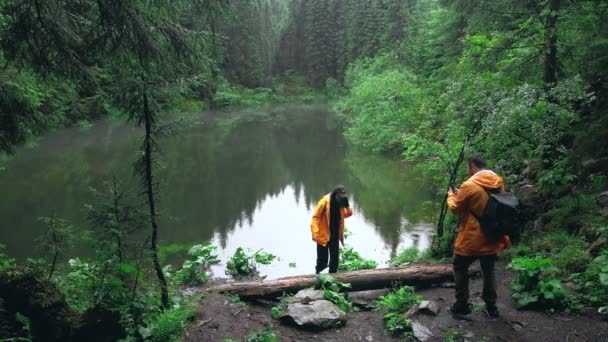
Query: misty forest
(163,165)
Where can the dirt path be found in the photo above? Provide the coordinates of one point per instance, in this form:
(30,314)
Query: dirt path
(219,319)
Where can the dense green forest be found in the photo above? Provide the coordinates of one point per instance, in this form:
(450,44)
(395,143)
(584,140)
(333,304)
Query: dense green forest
(523,83)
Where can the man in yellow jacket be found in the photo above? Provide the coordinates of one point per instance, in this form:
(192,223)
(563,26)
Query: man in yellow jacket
(469,203)
(327,228)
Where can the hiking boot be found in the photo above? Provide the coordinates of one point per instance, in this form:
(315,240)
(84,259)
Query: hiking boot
(459,310)
(492,311)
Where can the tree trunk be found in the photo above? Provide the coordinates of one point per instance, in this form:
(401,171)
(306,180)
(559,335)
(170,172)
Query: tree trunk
(150,193)
(117,234)
(551,48)
(420,276)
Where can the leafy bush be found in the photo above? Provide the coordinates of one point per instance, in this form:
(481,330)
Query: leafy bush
(350,260)
(396,303)
(593,283)
(169,325)
(193,271)
(566,250)
(535,284)
(331,291)
(408,255)
(242,264)
(383,101)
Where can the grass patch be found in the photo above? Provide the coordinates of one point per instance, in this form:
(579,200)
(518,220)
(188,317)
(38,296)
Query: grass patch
(407,256)
(169,325)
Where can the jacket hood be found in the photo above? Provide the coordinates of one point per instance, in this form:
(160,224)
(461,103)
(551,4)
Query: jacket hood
(487,179)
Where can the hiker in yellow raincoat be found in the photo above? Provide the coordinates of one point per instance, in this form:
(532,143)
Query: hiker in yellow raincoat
(327,228)
(469,203)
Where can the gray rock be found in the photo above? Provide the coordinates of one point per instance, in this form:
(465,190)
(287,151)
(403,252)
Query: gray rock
(429,307)
(526,194)
(412,311)
(602,199)
(421,332)
(518,328)
(319,314)
(308,295)
(363,304)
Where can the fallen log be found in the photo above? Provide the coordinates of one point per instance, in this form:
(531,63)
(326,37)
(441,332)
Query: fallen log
(418,276)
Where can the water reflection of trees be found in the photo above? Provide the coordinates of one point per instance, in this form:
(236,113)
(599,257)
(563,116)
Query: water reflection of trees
(214,178)
(219,176)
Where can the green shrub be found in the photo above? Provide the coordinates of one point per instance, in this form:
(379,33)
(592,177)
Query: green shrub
(350,260)
(535,284)
(332,291)
(193,271)
(242,264)
(593,283)
(396,303)
(408,255)
(169,325)
(571,259)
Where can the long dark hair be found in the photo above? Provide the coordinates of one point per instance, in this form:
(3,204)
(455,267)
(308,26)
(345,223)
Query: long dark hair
(337,200)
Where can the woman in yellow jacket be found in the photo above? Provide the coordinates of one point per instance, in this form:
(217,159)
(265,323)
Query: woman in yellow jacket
(327,228)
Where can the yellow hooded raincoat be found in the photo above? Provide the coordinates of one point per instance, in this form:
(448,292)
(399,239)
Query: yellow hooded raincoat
(320,222)
(472,197)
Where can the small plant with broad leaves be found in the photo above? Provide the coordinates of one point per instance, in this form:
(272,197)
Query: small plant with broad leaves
(535,284)
(193,271)
(244,265)
(395,304)
(332,291)
(350,260)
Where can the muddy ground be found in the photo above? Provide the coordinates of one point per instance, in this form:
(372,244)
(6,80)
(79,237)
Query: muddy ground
(218,319)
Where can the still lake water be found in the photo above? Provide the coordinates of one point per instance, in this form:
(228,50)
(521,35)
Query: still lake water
(248,179)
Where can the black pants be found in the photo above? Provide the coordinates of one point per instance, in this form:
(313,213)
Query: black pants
(330,252)
(461,278)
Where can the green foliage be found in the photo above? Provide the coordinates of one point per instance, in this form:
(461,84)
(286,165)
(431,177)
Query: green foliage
(6,263)
(193,270)
(380,112)
(332,291)
(170,324)
(350,260)
(266,335)
(395,304)
(243,265)
(407,256)
(535,284)
(278,310)
(593,282)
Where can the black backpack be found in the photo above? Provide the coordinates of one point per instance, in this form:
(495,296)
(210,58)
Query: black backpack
(498,218)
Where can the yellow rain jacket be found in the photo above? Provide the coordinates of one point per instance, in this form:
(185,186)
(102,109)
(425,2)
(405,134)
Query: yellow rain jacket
(320,222)
(472,197)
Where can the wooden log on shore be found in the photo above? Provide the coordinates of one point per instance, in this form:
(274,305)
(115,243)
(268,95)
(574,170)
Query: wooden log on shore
(418,276)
